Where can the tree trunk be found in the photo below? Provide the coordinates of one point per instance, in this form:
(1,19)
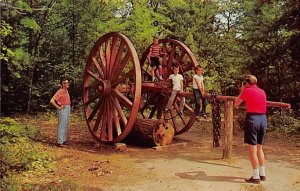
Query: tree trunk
(150,132)
(30,73)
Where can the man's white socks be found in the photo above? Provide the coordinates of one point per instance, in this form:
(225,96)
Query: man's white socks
(262,171)
(256,173)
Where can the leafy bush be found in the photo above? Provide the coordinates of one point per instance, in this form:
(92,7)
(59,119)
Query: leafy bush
(239,118)
(19,153)
(281,123)
(10,128)
(284,123)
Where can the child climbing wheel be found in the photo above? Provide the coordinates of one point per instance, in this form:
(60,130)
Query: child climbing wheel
(153,58)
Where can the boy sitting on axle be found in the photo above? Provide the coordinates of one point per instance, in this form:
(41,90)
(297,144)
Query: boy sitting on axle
(153,57)
(177,81)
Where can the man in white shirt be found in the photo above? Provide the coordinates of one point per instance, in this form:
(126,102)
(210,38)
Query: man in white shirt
(177,81)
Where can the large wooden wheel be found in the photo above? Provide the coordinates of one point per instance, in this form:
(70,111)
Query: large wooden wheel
(155,95)
(111,88)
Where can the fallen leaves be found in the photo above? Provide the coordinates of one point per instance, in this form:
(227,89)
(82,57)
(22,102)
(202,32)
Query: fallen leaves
(101,168)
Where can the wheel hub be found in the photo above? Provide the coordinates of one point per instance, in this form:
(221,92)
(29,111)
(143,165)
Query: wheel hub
(105,87)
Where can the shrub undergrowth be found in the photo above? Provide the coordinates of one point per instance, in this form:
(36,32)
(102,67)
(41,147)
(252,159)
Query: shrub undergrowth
(280,123)
(19,153)
(284,123)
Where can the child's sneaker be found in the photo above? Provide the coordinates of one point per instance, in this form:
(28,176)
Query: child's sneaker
(165,110)
(180,113)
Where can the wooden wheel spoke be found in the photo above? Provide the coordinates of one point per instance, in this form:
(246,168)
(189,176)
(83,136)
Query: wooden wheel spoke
(159,112)
(170,61)
(153,111)
(94,75)
(118,57)
(164,50)
(186,106)
(98,120)
(119,68)
(103,134)
(120,111)
(92,99)
(103,60)
(107,54)
(91,86)
(144,107)
(179,59)
(146,73)
(113,54)
(152,97)
(116,119)
(99,69)
(110,120)
(175,124)
(166,116)
(184,120)
(190,110)
(123,98)
(93,113)
(123,78)
(156,107)
(161,102)
(187,68)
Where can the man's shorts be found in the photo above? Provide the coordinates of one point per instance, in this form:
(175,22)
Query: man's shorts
(154,62)
(255,128)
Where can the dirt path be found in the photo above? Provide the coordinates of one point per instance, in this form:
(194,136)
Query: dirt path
(195,166)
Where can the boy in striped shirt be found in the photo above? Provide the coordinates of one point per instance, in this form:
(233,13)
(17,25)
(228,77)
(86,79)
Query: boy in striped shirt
(153,57)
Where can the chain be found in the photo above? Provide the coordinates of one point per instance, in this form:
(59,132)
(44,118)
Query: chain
(216,119)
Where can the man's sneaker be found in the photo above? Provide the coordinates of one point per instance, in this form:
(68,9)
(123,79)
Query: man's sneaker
(263,178)
(252,180)
(166,110)
(160,78)
(204,116)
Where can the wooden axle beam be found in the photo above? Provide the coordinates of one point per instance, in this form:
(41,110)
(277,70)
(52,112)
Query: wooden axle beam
(165,88)
(232,98)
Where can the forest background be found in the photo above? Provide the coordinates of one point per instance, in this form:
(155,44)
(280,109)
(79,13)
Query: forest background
(47,40)
(44,41)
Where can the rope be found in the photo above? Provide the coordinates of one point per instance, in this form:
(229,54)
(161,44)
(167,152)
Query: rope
(216,119)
